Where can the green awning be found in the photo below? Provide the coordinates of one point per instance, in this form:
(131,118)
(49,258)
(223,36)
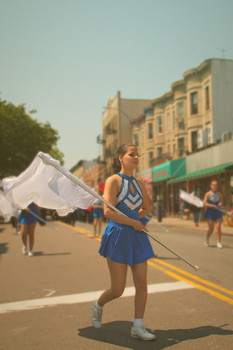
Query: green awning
(202,173)
(176,167)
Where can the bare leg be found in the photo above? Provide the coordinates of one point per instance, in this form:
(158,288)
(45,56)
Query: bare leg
(31,229)
(140,281)
(100,225)
(118,273)
(211,228)
(24,232)
(218,230)
(95,225)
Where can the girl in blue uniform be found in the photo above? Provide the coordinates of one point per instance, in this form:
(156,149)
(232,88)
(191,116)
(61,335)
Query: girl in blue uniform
(98,214)
(213,200)
(27,227)
(123,241)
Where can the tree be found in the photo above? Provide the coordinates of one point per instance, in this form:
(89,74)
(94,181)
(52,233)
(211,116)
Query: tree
(21,138)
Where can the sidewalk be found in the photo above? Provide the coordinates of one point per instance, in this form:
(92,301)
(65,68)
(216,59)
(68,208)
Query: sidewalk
(170,222)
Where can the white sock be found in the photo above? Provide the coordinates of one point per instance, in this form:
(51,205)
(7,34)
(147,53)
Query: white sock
(98,307)
(137,322)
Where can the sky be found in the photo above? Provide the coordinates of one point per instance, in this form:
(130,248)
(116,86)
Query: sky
(66,58)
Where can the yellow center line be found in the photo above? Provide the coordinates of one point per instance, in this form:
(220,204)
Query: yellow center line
(199,279)
(198,286)
(80,230)
(172,274)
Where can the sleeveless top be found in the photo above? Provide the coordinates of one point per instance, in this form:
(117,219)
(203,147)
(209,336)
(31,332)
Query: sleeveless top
(120,242)
(211,213)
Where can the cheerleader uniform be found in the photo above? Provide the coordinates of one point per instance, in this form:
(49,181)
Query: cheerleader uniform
(98,212)
(211,213)
(122,243)
(26,218)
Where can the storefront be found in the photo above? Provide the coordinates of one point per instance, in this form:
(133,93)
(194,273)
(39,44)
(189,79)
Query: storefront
(160,175)
(199,182)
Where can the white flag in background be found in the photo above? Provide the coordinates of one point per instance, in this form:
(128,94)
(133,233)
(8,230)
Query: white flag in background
(190,198)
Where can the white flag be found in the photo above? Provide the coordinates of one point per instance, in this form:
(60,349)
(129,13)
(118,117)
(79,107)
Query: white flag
(190,198)
(44,185)
(7,210)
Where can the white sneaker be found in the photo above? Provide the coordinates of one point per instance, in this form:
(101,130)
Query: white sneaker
(96,316)
(206,242)
(141,333)
(24,251)
(30,253)
(219,245)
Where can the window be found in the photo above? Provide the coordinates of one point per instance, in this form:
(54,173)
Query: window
(150,130)
(168,121)
(181,146)
(180,110)
(159,151)
(194,141)
(159,125)
(180,114)
(150,157)
(174,119)
(135,137)
(207,98)
(194,103)
(174,148)
(169,149)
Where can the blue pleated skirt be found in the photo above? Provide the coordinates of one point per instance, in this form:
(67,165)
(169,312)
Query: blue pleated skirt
(213,214)
(123,244)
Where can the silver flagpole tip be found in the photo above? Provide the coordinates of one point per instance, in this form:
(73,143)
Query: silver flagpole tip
(196,267)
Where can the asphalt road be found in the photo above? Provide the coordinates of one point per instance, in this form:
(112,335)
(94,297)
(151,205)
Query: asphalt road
(45,300)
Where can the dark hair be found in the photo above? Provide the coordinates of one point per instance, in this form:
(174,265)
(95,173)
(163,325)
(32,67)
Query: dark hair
(120,152)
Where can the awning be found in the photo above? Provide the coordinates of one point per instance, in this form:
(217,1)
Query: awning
(176,167)
(202,173)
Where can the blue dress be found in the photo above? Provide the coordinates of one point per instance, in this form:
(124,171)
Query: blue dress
(211,213)
(122,243)
(98,212)
(27,218)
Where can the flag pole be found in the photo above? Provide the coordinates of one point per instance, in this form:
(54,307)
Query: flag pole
(47,159)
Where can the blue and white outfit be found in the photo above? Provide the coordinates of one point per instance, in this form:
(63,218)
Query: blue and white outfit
(98,212)
(122,243)
(27,218)
(211,213)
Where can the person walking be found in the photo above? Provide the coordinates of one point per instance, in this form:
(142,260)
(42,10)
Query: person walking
(123,242)
(98,214)
(27,227)
(213,200)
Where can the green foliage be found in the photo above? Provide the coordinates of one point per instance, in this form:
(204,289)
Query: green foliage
(21,138)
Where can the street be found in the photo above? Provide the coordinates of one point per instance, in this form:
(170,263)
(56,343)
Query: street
(45,300)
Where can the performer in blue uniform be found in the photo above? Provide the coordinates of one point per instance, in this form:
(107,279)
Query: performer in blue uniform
(27,226)
(213,200)
(123,241)
(98,214)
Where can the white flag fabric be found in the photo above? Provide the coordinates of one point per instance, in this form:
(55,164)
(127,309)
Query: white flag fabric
(190,198)
(44,185)
(7,210)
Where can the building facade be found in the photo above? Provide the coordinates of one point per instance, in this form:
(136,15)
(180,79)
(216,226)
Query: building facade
(197,112)
(117,127)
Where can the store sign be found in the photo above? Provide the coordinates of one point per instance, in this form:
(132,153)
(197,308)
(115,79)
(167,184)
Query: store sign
(159,174)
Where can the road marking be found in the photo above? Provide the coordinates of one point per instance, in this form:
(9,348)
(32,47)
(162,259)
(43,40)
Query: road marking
(225,290)
(51,292)
(198,286)
(180,278)
(86,297)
